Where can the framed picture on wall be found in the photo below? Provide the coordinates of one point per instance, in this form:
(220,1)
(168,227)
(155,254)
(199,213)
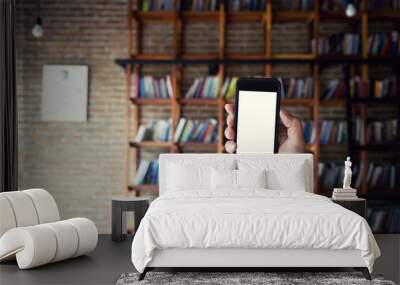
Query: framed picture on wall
(65,93)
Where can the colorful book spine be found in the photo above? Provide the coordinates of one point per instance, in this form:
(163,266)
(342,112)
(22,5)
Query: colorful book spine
(153,88)
(204,131)
(203,88)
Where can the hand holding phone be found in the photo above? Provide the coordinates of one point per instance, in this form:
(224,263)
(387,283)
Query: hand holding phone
(291,138)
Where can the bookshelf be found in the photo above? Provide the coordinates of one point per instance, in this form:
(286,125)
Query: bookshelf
(178,59)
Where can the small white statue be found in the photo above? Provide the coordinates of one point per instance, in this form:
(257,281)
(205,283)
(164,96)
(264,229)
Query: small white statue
(347,174)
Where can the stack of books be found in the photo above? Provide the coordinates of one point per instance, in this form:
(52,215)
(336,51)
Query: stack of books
(154,131)
(344,194)
(335,90)
(147,172)
(204,88)
(153,88)
(338,44)
(299,88)
(196,131)
(157,5)
(229,88)
(384,43)
(250,5)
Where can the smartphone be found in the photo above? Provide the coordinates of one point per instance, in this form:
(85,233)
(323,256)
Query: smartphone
(257,114)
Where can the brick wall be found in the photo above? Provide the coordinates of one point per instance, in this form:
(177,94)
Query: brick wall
(81,164)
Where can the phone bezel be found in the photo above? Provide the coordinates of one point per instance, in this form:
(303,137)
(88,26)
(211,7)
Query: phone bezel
(259,84)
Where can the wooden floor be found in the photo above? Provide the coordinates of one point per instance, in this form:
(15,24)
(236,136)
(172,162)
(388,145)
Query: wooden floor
(103,266)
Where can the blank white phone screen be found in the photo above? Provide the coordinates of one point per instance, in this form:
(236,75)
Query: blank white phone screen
(256,121)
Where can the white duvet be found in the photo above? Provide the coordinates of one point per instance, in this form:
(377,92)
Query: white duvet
(250,219)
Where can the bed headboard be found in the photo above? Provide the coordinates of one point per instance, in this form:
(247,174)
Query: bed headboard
(210,159)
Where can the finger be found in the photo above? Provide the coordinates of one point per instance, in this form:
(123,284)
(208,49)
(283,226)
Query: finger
(229,133)
(229,108)
(229,120)
(230,146)
(293,125)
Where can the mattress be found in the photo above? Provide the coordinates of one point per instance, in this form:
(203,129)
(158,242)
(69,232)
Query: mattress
(251,219)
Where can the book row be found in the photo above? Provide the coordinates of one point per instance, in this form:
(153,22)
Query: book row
(384,4)
(373,88)
(205,131)
(384,43)
(331,132)
(259,5)
(382,131)
(152,87)
(208,88)
(147,172)
(159,130)
(298,88)
(379,176)
(338,44)
(204,88)
(384,219)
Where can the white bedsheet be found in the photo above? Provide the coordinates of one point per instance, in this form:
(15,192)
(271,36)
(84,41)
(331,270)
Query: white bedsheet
(250,219)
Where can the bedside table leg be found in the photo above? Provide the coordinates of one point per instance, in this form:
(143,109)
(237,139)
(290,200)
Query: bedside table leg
(117,222)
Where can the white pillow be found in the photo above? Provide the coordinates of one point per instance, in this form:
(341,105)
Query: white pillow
(251,178)
(281,174)
(223,179)
(183,176)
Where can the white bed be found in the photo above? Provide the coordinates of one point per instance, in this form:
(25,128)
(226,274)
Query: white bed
(267,218)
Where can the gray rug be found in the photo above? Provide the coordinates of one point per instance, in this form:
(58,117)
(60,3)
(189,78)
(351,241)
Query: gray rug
(228,278)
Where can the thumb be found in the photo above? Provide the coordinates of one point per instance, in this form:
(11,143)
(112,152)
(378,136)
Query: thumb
(294,128)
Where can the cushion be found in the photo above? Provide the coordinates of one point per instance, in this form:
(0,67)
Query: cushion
(281,174)
(193,176)
(224,179)
(251,178)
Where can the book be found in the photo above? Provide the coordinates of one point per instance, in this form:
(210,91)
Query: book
(159,130)
(331,132)
(151,87)
(141,172)
(338,44)
(196,131)
(203,88)
(299,88)
(384,43)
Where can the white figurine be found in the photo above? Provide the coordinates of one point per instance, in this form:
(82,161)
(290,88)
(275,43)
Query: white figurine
(347,174)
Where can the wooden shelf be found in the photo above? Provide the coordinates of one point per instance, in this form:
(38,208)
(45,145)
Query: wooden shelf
(185,101)
(293,56)
(178,58)
(383,100)
(150,101)
(245,16)
(378,147)
(294,102)
(333,103)
(151,144)
(338,16)
(206,16)
(155,16)
(384,15)
(144,187)
(292,16)
(198,145)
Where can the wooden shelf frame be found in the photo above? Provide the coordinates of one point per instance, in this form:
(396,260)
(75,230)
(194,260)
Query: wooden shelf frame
(177,59)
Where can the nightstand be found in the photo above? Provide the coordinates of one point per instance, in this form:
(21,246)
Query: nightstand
(122,204)
(358,205)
